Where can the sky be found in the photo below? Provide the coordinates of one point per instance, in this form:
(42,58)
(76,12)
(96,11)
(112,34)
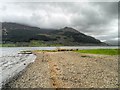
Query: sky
(97,19)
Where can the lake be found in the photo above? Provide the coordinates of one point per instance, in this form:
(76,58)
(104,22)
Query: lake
(14,50)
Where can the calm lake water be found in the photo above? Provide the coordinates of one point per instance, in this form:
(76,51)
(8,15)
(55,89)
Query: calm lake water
(11,63)
(14,50)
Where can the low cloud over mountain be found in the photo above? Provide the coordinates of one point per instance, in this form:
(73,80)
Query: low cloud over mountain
(98,19)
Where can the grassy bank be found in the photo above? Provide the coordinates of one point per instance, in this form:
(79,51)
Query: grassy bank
(8,45)
(101,51)
(29,45)
(90,51)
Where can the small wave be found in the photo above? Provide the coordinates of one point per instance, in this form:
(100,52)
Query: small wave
(12,65)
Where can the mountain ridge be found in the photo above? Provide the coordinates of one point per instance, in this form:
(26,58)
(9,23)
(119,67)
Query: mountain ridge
(67,36)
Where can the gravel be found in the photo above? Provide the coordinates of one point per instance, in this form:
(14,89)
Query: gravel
(69,70)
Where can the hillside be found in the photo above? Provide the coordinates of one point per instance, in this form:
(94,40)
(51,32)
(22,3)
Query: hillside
(24,35)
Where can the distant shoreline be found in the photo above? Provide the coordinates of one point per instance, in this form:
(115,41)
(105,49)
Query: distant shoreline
(1,45)
(14,45)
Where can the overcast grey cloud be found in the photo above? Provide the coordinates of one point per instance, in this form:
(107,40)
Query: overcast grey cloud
(99,19)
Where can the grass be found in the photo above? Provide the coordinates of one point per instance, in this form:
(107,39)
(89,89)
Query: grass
(7,45)
(57,50)
(90,51)
(33,43)
(101,51)
(45,51)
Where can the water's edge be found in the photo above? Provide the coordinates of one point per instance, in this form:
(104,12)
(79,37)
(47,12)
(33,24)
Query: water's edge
(10,51)
(17,69)
(5,86)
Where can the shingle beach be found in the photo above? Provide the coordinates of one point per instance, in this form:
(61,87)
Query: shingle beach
(69,70)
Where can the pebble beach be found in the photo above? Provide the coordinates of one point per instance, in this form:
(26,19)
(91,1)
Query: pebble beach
(68,69)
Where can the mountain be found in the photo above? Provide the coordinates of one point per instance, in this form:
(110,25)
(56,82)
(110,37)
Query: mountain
(67,36)
(113,42)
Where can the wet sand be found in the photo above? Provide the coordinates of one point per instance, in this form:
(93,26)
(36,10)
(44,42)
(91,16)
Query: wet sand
(69,70)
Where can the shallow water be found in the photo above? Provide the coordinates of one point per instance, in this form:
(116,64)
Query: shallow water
(11,63)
